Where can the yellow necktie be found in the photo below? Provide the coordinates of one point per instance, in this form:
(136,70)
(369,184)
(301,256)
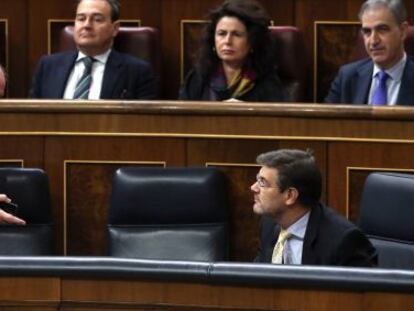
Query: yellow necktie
(277,256)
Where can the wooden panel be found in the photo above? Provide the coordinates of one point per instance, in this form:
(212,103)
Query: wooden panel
(71,293)
(88,189)
(88,186)
(361,156)
(29,293)
(334,44)
(38,15)
(20,149)
(138,295)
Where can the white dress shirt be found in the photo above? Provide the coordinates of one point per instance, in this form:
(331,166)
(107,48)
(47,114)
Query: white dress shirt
(393,82)
(292,252)
(98,68)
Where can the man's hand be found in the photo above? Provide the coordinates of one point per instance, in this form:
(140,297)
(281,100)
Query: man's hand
(6,218)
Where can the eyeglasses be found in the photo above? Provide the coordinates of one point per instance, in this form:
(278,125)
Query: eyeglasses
(263,183)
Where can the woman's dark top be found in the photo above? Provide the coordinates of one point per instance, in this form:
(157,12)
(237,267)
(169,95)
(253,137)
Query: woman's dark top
(268,88)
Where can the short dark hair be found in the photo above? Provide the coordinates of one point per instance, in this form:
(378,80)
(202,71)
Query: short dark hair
(257,23)
(297,169)
(115,8)
(396,7)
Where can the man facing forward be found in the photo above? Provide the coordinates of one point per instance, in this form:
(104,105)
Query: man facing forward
(387,76)
(95,70)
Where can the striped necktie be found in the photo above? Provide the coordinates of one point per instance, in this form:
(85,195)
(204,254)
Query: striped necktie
(84,84)
(277,256)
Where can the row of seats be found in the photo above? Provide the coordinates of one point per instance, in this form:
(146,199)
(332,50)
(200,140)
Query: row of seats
(293,69)
(182,214)
(174,213)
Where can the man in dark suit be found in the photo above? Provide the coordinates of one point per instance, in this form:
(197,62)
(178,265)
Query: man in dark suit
(296,228)
(96,70)
(387,76)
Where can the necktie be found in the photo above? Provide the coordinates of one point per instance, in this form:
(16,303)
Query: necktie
(380,94)
(84,84)
(277,256)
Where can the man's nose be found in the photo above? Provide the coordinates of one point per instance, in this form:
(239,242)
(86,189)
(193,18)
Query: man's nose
(374,38)
(254,187)
(87,21)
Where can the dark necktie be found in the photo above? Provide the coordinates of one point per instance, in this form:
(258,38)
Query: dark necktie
(84,84)
(379,97)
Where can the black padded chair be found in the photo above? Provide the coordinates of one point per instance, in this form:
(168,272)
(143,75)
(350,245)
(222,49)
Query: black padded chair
(387,215)
(293,69)
(168,213)
(29,189)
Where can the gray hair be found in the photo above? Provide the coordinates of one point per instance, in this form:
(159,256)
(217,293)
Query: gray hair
(396,7)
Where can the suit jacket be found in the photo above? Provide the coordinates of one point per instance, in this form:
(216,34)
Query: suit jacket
(330,239)
(125,77)
(268,88)
(353,82)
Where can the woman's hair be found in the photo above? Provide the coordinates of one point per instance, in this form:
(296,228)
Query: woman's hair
(257,23)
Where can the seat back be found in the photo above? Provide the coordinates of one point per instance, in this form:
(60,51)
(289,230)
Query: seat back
(141,42)
(386,216)
(360,52)
(29,189)
(168,213)
(292,67)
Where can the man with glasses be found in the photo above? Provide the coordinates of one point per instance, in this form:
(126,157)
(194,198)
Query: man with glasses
(296,228)
(387,75)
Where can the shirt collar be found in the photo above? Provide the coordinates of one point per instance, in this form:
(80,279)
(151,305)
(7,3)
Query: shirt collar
(298,228)
(396,71)
(102,58)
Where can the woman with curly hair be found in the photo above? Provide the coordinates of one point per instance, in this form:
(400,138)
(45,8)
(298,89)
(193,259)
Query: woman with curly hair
(236,57)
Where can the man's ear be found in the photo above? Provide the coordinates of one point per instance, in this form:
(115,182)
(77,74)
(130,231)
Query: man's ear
(292,195)
(404,30)
(116,28)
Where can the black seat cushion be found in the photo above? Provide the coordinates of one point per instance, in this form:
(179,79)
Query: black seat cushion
(386,216)
(173,242)
(29,189)
(169,213)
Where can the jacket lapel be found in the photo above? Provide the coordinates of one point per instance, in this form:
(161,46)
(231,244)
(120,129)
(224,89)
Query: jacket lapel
(63,72)
(362,83)
(406,94)
(112,75)
(308,253)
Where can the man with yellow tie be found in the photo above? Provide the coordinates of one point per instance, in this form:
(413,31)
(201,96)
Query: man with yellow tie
(296,228)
